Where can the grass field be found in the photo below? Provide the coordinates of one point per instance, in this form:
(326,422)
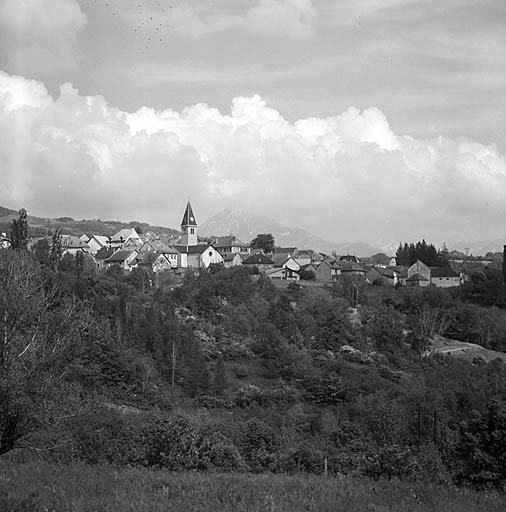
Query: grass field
(78,487)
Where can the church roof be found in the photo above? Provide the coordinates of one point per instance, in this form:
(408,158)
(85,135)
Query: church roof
(189,216)
(192,249)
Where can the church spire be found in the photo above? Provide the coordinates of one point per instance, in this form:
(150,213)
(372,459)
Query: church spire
(188,217)
(189,227)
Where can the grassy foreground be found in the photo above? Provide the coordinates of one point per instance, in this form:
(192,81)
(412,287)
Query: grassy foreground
(79,487)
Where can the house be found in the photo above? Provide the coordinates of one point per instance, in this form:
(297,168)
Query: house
(72,245)
(96,242)
(283,259)
(327,271)
(349,257)
(260,260)
(282,273)
(417,280)
(230,245)
(233,259)
(382,275)
(125,236)
(198,256)
(444,277)
(153,245)
(122,258)
(156,262)
(192,254)
(102,255)
(351,268)
(306,271)
(4,241)
(419,268)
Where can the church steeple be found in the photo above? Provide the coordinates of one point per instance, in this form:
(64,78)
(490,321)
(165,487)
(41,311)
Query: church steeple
(189,226)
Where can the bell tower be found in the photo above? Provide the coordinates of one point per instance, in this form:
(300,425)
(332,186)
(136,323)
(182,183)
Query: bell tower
(188,227)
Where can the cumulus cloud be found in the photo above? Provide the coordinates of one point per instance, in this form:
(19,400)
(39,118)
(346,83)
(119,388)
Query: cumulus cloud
(38,34)
(346,177)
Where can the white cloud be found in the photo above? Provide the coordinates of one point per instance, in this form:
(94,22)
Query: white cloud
(40,33)
(347,176)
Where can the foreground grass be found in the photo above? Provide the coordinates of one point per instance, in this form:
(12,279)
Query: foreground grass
(79,487)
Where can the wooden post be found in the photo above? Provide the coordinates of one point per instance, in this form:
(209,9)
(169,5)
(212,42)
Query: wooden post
(435,427)
(325,467)
(419,425)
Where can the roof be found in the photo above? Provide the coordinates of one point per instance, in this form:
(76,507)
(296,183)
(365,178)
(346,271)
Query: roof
(386,272)
(416,277)
(100,239)
(192,249)
(229,241)
(231,256)
(349,266)
(146,258)
(290,250)
(119,256)
(104,253)
(188,216)
(157,246)
(124,234)
(72,242)
(279,258)
(258,259)
(349,257)
(443,272)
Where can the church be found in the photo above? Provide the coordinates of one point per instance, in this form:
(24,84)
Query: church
(192,254)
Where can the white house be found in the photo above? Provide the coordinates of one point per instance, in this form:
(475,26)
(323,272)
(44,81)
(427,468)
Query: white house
(96,242)
(125,236)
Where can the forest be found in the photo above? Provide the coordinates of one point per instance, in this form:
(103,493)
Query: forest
(223,372)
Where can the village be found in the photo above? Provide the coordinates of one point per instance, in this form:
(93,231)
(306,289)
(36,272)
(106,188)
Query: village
(129,249)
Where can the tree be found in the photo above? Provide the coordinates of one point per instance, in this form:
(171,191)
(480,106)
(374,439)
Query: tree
(19,231)
(264,241)
(55,255)
(220,376)
(41,333)
(481,449)
(504,264)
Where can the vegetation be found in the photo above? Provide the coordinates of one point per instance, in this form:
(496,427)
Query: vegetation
(221,372)
(407,254)
(83,488)
(264,241)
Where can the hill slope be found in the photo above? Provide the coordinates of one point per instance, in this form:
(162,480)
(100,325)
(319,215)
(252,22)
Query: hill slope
(40,226)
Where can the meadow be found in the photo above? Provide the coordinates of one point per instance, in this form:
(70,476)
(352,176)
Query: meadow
(41,486)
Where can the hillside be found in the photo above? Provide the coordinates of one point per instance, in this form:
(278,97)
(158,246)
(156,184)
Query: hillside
(246,225)
(464,350)
(41,226)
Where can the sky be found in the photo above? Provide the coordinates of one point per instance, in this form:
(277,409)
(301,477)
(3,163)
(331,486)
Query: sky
(359,120)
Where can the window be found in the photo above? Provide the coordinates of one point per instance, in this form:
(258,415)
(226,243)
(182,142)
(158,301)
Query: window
(210,254)
(192,231)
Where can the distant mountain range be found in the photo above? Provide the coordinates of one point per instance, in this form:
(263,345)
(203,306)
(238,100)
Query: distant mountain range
(246,225)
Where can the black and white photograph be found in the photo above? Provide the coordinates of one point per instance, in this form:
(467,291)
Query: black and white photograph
(252,255)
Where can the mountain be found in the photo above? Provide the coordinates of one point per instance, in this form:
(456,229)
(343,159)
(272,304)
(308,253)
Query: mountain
(246,225)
